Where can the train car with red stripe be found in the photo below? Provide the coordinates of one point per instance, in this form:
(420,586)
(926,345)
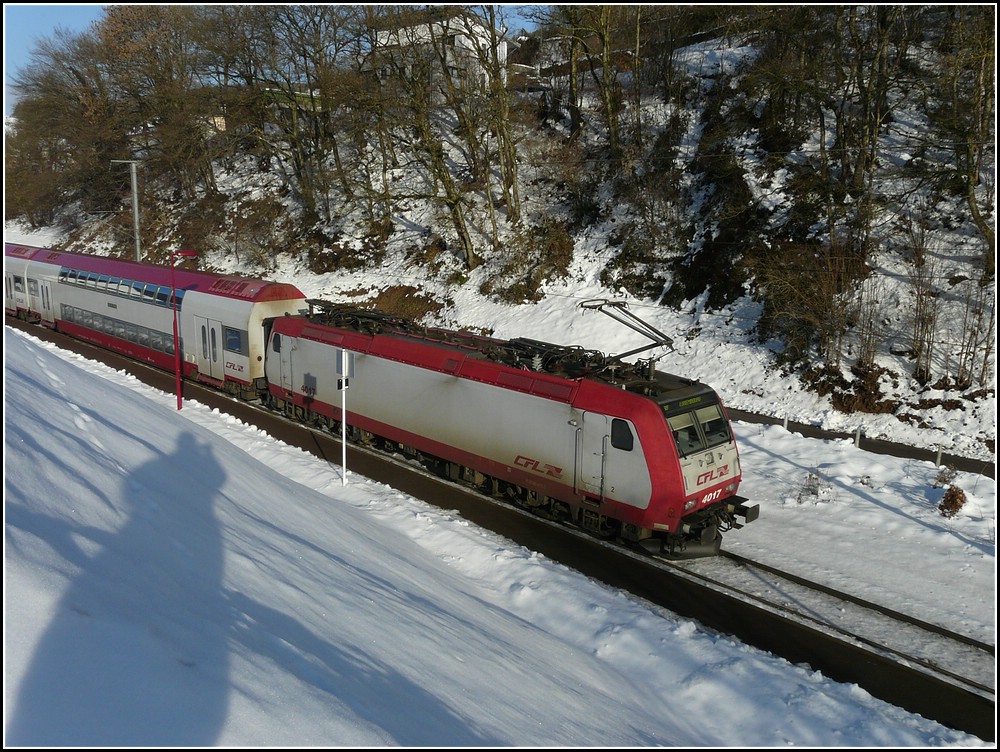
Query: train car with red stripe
(619,449)
(129,307)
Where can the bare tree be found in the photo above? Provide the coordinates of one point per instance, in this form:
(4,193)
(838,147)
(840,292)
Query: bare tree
(68,127)
(497,106)
(458,83)
(968,114)
(926,304)
(867,314)
(310,84)
(409,60)
(372,118)
(566,24)
(809,289)
(601,24)
(155,67)
(978,338)
(868,46)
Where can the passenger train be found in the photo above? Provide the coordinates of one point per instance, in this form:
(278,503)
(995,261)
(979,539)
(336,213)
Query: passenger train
(618,449)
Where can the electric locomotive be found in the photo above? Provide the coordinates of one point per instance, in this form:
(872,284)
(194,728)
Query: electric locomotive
(621,450)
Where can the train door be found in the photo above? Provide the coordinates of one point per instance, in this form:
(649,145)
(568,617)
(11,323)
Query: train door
(279,361)
(208,347)
(48,315)
(286,362)
(19,294)
(34,298)
(594,452)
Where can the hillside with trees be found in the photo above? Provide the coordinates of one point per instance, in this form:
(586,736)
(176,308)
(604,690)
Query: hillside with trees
(825,161)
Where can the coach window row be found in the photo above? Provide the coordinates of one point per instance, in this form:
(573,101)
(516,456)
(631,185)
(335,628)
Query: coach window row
(140,335)
(146,292)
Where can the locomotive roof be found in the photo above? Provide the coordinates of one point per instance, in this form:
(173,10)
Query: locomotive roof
(241,288)
(673,392)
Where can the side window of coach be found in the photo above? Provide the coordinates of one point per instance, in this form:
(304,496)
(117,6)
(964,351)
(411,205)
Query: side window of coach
(235,340)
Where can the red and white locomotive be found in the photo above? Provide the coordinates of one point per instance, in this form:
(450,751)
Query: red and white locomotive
(616,448)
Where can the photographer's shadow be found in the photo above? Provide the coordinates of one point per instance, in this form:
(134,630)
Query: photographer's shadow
(135,653)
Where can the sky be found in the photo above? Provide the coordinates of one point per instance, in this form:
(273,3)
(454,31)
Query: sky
(163,564)
(24,25)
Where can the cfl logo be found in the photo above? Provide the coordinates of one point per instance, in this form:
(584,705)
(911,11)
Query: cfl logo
(720,472)
(536,466)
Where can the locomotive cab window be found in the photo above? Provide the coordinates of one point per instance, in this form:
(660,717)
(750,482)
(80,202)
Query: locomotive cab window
(702,429)
(621,435)
(714,426)
(685,434)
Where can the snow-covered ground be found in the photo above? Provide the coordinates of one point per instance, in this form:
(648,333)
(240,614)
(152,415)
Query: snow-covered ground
(179,578)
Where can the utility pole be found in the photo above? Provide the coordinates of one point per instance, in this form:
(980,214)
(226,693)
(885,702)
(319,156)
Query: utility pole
(135,201)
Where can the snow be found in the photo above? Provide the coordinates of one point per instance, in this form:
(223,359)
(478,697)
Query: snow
(180,578)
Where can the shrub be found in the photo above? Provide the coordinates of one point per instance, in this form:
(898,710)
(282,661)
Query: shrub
(945,476)
(953,501)
(541,254)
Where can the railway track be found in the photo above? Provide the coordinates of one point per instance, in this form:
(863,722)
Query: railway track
(777,612)
(968,662)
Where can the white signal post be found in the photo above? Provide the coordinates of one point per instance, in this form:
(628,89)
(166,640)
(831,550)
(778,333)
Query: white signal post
(345,369)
